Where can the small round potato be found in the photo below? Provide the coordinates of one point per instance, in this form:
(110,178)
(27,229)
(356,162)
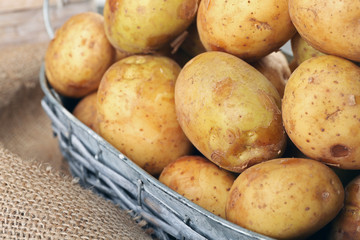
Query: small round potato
(321,110)
(347,224)
(289,198)
(79,55)
(200,181)
(136,111)
(86,111)
(247,29)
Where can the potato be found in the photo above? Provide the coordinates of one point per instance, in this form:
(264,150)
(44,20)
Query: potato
(85,111)
(229,111)
(302,50)
(331,27)
(145,26)
(347,223)
(289,198)
(136,111)
(275,68)
(247,29)
(321,110)
(200,181)
(79,55)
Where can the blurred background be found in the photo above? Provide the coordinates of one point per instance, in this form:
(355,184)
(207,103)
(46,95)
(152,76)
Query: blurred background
(21,21)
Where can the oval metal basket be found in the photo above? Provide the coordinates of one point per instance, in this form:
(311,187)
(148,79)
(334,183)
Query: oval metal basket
(109,173)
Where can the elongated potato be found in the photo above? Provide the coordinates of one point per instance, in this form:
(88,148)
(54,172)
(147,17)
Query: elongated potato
(136,111)
(229,111)
(289,198)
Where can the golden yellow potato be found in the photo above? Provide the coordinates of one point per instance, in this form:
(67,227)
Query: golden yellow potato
(79,55)
(331,27)
(136,111)
(229,111)
(85,111)
(200,181)
(321,110)
(247,29)
(302,50)
(275,68)
(347,224)
(145,26)
(289,198)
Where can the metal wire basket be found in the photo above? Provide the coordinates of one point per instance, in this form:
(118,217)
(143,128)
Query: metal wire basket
(109,173)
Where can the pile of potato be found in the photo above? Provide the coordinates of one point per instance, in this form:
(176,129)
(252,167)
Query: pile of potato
(198,94)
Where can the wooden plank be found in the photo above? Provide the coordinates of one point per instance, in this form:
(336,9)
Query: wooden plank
(28,26)
(21,5)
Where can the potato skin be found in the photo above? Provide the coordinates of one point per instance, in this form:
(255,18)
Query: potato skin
(229,111)
(346,224)
(145,26)
(247,29)
(79,55)
(331,27)
(136,111)
(275,68)
(200,181)
(289,198)
(86,111)
(321,110)
(302,50)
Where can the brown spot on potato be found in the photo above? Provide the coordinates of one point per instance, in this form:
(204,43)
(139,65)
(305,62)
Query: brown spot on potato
(223,89)
(260,25)
(339,150)
(113,5)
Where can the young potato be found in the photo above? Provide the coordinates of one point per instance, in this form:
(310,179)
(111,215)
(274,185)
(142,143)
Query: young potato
(289,198)
(79,55)
(145,26)
(302,50)
(136,111)
(321,110)
(229,111)
(331,27)
(86,111)
(275,68)
(247,29)
(200,181)
(347,223)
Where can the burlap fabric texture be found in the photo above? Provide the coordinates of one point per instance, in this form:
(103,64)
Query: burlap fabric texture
(38,197)
(25,129)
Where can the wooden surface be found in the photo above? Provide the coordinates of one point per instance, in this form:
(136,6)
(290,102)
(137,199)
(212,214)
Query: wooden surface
(21,21)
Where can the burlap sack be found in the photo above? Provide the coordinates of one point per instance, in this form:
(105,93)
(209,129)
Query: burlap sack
(37,203)
(25,129)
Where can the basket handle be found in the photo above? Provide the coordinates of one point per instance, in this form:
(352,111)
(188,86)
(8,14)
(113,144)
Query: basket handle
(46,17)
